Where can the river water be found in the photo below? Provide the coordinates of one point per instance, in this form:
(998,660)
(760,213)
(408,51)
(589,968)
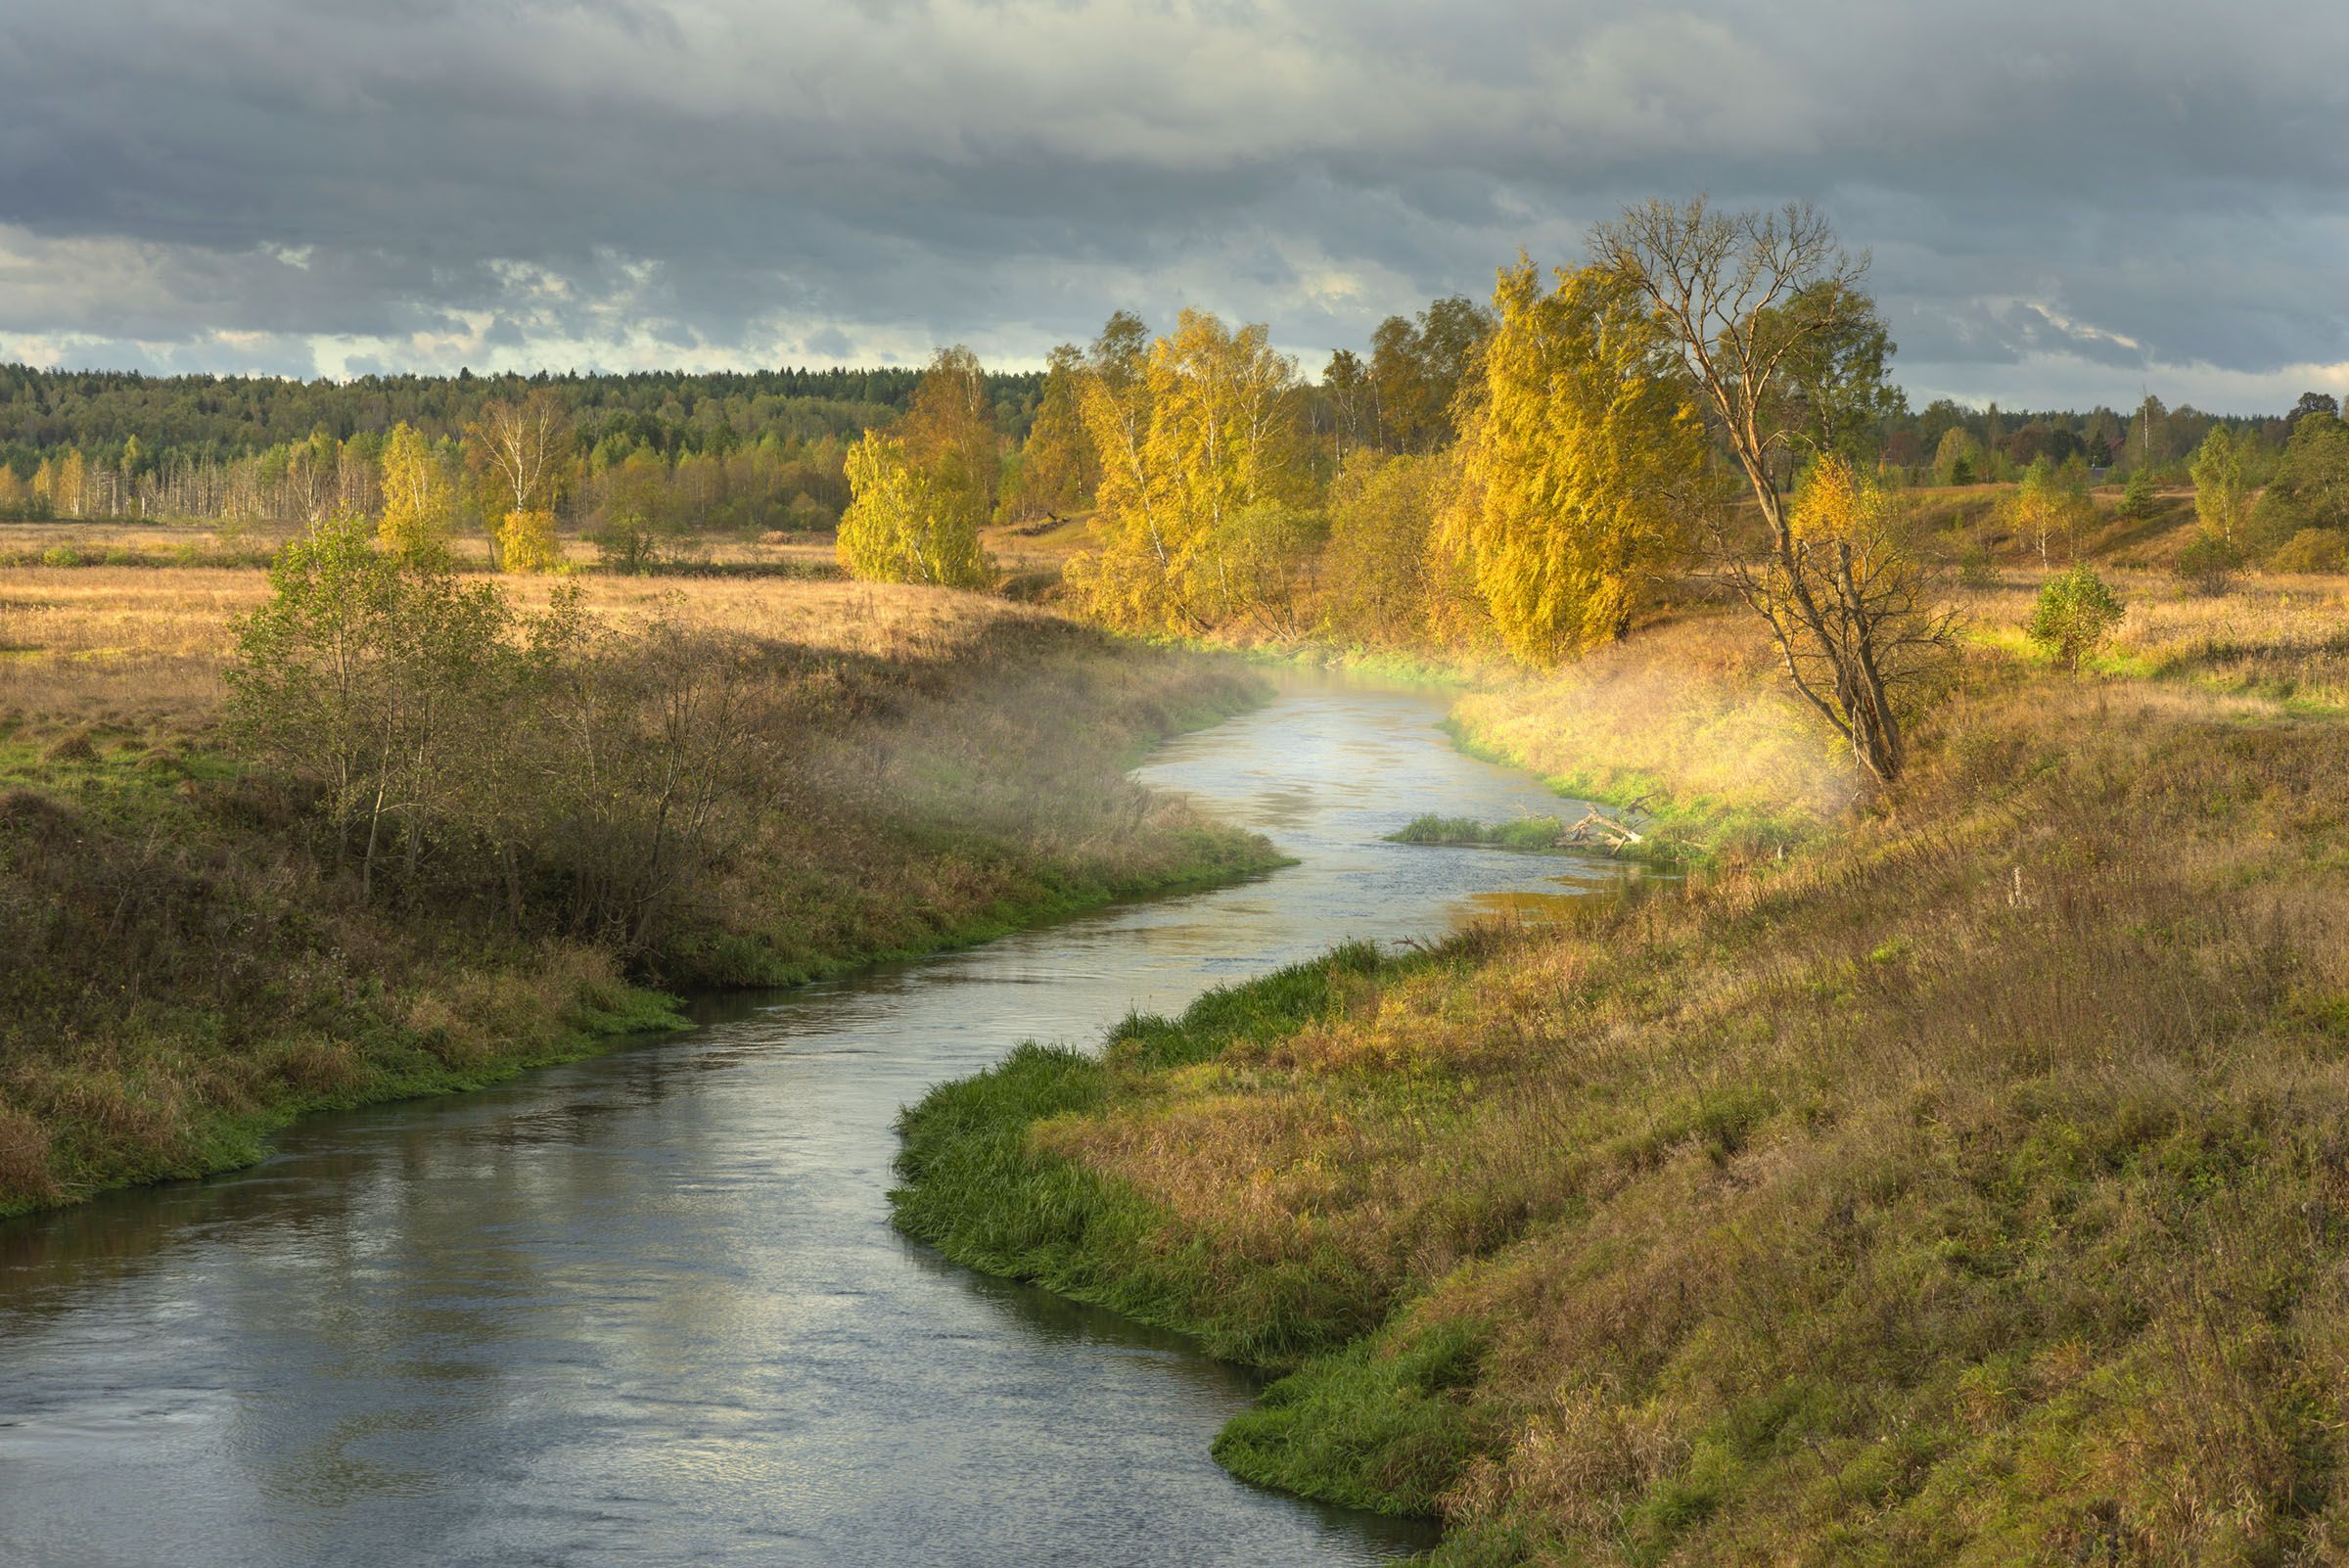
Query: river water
(648,1308)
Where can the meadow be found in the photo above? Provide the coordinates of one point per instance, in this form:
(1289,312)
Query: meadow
(1952,1177)
(190,960)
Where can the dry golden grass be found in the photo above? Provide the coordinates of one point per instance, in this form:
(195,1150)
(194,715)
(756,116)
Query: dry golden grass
(187,956)
(135,647)
(162,540)
(1970,1189)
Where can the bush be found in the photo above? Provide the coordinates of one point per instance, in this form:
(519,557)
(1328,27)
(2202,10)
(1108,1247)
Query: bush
(2313,550)
(2075,614)
(2208,564)
(61,555)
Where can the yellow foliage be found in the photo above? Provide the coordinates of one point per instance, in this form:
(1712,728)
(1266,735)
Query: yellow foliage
(418,500)
(1580,457)
(1200,447)
(1839,502)
(903,525)
(527,542)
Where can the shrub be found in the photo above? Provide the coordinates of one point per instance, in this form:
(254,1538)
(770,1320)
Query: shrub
(2208,564)
(61,555)
(2313,550)
(2075,614)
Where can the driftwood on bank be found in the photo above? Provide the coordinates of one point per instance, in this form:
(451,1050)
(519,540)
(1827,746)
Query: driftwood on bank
(1603,832)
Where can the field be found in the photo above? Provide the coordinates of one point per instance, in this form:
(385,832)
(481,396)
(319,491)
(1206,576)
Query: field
(1956,1180)
(185,961)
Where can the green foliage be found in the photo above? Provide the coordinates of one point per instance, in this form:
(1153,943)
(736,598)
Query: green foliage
(2222,495)
(2310,488)
(2075,615)
(372,678)
(1959,459)
(2139,495)
(2209,563)
(1520,833)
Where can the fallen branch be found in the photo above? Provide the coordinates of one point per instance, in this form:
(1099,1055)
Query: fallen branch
(1594,827)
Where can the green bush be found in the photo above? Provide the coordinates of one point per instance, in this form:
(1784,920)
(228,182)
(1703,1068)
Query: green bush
(2075,614)
(2208,564)
(61,555)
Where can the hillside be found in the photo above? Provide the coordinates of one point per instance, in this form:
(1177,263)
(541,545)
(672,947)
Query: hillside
(1965,1186)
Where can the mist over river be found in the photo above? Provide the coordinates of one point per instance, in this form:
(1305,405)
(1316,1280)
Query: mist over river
(648,1308)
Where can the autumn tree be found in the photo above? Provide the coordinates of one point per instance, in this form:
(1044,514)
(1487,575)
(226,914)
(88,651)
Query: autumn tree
(2050,504)
(1380,581)
(1351,406)
(949,436)
(419,509)
(1579,462)
(1851,617)
(1058,469)
(1201,441)
(519,454)
(900,528)
(1417,368)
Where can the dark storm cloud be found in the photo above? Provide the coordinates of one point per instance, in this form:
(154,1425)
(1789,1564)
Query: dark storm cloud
(2062,202)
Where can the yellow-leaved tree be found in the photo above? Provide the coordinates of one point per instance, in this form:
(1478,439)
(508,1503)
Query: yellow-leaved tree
(519,454)
(1057,466)
(900,527)
(1201,446)
(1582,453)
(419,503)
(949,435)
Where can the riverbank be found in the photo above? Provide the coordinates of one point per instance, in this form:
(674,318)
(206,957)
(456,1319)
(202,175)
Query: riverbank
(1965,1187)
(187,968)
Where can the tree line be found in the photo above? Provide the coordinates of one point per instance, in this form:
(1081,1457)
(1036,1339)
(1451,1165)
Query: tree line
(1528,478)
(652,457)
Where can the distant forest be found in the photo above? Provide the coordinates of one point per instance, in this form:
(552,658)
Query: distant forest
(766,449)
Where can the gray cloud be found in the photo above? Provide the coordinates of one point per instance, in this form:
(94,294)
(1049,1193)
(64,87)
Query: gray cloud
(2064,202)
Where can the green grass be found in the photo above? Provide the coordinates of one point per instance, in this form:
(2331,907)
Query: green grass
(1530,833)
(1682,828)
(975,1187)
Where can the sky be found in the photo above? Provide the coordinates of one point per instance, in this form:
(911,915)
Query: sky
(2064,204)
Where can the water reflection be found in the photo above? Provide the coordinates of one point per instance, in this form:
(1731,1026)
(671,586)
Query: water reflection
(648,1308)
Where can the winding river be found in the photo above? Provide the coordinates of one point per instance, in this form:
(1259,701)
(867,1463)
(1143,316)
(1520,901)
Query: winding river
(648,1308)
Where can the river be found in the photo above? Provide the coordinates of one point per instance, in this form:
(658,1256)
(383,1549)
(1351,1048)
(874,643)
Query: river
(648,1308)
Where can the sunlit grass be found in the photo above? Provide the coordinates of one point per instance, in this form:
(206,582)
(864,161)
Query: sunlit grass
(1967,1187)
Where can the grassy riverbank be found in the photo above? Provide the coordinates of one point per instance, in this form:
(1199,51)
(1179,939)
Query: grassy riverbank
(1968,1187)
(184,965)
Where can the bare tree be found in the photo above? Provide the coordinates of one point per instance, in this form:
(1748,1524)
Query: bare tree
(1748,297)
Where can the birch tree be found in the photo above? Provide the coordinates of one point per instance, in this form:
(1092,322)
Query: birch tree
(1722,284)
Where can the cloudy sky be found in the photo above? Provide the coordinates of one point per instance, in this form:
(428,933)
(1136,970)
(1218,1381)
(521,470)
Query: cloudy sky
(2065,203)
